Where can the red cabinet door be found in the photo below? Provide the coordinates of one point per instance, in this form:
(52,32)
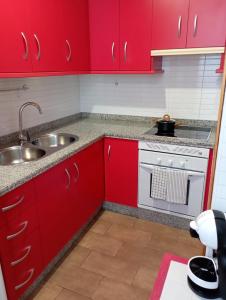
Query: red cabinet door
(15,52)
(169,29)
(76,34)
(121,171)
(104,34)
(135,34)
(47,32)
(88,193)
(52,190)
(207,23)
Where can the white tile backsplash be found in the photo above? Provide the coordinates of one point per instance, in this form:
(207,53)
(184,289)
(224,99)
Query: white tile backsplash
(189,88)
(58,97)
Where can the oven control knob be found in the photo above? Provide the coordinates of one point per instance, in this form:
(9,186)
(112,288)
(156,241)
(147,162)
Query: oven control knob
(182,164)
(159,161)
(170,162)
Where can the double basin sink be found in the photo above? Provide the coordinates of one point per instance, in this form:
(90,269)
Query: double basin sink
(36,149)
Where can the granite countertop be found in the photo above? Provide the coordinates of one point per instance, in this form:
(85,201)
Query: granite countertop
(89,131)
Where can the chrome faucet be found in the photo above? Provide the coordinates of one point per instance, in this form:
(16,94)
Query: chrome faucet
(24,138)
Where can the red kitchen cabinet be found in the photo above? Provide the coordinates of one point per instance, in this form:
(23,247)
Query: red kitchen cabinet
(76,34)
(15,54)
(48,50)
(104,34)
(52,191)
(89,190)
(207,23)
(169,29)
(135,34)
(121,171)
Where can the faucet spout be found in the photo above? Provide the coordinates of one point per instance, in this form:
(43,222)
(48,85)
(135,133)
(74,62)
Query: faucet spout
(22,137)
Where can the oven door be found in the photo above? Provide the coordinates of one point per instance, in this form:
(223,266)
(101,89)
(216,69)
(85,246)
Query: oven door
(195,192)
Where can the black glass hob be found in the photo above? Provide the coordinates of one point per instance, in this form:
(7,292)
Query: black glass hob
(188,132)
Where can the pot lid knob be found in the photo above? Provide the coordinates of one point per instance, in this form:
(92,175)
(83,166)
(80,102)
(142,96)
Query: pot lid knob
(166,117)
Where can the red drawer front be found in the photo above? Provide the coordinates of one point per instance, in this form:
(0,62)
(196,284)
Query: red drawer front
(24,224)
(16,202)
(22,264)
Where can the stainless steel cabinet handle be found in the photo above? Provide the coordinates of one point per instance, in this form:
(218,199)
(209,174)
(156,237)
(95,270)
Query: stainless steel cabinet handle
(30,275)
(77,170)
(12,236)
(125,51)
(113,51)
(69,179)
(25,56)
(69,49)
(38,56)
(109,151)
(7,208)
(179,26)
(195,25)
(27,252)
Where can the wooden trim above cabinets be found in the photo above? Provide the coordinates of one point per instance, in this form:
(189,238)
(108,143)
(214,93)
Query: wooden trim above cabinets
(188,51)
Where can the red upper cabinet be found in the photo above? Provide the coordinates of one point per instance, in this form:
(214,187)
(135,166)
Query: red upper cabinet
(48,50)
(76,34)
(15,52)
(170,19)
(104,34)
(207,23)
(135,34)
(121,171)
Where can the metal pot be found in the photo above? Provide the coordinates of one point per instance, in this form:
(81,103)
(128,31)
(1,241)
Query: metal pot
(166,125)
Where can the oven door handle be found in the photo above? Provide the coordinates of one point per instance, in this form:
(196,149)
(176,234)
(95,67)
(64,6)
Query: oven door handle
(190,173)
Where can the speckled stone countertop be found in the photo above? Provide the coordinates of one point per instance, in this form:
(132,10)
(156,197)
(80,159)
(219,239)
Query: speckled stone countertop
(89,130)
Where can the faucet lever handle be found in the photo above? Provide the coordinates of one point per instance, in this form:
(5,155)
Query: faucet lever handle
(28,136)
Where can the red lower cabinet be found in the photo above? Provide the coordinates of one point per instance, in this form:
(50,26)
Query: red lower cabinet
(121,171)
(89,187)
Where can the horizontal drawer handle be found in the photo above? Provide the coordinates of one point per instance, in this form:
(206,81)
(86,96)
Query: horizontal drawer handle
(7,208)
(30,275)
(12,236)
(27,252)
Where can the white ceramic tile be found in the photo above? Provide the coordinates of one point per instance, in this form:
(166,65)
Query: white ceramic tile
(189,88)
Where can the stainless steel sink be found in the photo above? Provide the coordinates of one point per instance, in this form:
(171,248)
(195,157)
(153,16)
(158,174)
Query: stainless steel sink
(55,140)
(20,154)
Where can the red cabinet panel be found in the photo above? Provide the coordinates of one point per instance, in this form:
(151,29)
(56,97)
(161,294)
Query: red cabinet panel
(76,34)
(104,34)
(15,54)
(135,34)
(121,171)
(169,27)
(207,23)
(48,50)
(89,182)
(52,196)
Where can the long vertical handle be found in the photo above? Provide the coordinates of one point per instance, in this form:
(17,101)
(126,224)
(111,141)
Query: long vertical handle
(77,170)
(69,179)
(26,53)
(179,26)
(38,56)
(69,49)
(125,51)
(113,51)
(109,151)
(195,25)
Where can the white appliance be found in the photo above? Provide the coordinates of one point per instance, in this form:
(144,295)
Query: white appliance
(190,159)
(2,287)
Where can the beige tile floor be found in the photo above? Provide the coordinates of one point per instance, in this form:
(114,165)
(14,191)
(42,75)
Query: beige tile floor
(117,259)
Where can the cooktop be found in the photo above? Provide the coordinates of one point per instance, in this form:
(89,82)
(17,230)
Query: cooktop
(188,132)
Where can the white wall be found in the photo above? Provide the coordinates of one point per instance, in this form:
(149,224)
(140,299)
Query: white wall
(58,97)
(189,88)
(219,192)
